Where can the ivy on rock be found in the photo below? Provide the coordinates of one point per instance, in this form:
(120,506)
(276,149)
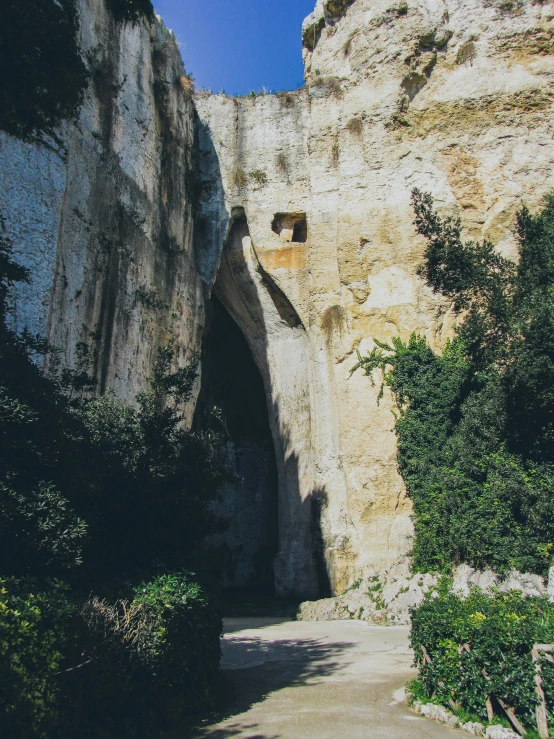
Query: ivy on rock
(43,74)
(476,423)
(131,10)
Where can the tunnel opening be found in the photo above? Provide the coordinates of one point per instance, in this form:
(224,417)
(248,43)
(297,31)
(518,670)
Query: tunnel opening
(241,555)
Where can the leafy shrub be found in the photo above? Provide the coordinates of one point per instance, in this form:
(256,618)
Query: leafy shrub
(156,480)
(43,74)
(107,494)
(33,636)
(481,646)
(96,480)
(39,529)
(475,431)
(131,10)
(156,653)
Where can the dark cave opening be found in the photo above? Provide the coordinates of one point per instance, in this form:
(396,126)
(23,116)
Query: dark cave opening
(291,227)
(240,556)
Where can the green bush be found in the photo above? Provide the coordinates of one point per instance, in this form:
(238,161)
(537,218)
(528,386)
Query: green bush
(33,636)
(130,10)
(98,484)
(43,74)
(156,653)
(107,495)
(481,646)
(476,424)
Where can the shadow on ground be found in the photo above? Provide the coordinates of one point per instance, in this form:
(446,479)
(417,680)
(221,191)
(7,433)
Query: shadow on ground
(253,668)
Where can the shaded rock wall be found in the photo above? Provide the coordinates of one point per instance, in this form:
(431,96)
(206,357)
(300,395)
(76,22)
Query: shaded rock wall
(242,554)
(103,217)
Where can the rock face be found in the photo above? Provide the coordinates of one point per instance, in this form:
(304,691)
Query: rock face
(451,97)
(303,229)
(103,217)
(388,597)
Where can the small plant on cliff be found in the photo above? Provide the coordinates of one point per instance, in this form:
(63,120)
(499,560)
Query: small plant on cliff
(43,74)
(131,10)
(466,53)
(355,126)
(186,83)
(282,162)
(240,178)
(259,177)
(398,10)
(476,425)
(335,154)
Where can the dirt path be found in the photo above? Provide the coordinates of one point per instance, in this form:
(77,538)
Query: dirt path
(323,680)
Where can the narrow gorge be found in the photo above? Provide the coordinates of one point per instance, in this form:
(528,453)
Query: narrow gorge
(273,236)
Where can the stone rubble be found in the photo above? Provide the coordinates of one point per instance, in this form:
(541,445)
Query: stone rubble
(443,716)
(388,597)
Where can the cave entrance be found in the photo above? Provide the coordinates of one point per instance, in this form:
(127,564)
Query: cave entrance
(242,555)
(264,369)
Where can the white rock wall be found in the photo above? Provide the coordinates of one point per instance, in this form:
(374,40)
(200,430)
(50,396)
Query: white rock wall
(454,97)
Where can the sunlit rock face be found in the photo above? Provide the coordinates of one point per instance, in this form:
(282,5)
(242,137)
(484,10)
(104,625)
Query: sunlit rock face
(301,225)
(452,97)
(103,216)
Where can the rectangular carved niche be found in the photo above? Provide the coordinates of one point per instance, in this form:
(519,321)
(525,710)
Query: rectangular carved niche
(292,227)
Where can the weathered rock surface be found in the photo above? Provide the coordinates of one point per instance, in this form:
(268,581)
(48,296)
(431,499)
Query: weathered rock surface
(103,218)
(452,97)
(387,597)
(443,716)
(499,732)
(303,229)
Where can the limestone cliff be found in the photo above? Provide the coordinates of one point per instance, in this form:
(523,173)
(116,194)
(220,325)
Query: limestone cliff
(303,228)
(451,97)
(103,216)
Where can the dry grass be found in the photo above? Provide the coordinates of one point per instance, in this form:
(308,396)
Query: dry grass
(466,53)
(334,319)
(240,178)
(355,126)
(122,621)
(186,83)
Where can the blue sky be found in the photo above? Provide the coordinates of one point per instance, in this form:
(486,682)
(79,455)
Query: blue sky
(239,45)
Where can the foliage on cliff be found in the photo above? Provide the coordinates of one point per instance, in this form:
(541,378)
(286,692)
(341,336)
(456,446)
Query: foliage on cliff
(468,649)
(475,431)
(130,10)
(114,499)
(43,74)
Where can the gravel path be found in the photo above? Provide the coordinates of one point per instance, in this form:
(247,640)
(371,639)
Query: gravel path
(285,679)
